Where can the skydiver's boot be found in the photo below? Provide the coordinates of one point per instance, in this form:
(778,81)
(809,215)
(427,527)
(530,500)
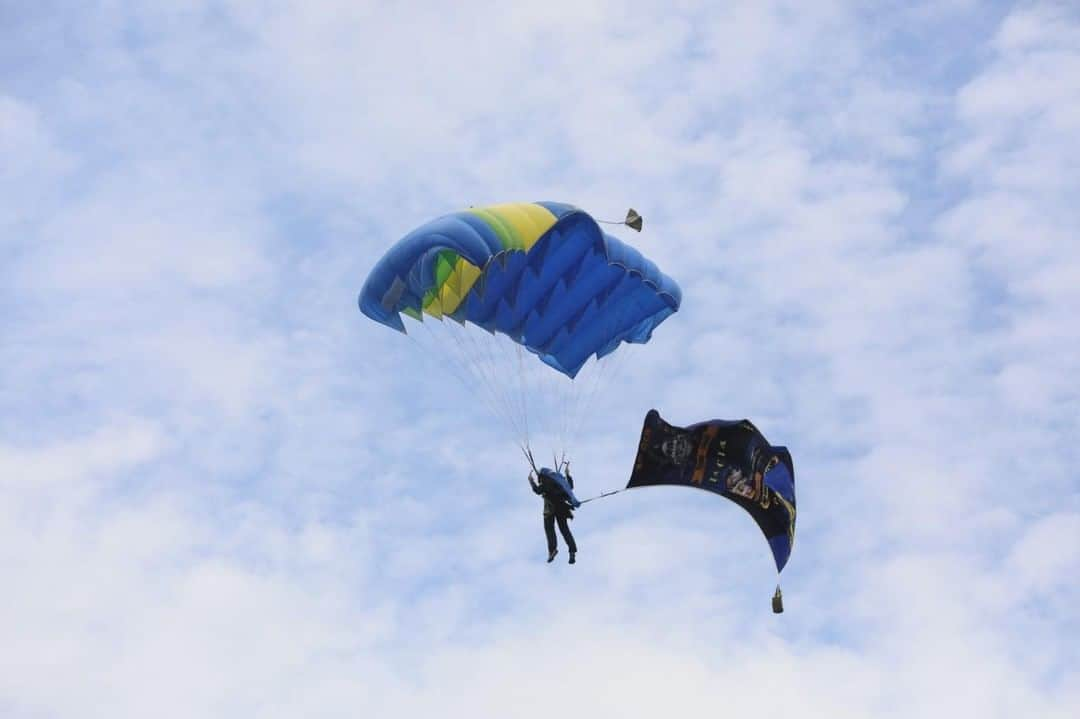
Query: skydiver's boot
(573,556)
(551,555)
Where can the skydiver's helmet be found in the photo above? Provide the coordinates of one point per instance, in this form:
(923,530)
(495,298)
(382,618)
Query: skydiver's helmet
(677,449)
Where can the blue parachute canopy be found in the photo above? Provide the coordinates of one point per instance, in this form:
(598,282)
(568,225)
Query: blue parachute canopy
(543,274)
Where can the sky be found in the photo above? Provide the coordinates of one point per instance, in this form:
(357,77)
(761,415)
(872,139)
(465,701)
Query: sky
(226,493)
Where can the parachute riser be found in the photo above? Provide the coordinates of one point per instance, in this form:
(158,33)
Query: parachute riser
(528,455)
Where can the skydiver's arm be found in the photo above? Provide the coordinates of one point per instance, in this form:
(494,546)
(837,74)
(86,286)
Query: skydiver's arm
(572,500)
(534,485)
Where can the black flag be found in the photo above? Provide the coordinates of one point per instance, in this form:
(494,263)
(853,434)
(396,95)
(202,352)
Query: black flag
(730,458)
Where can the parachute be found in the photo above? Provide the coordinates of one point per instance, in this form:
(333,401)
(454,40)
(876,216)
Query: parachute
(732,459)
(542,276)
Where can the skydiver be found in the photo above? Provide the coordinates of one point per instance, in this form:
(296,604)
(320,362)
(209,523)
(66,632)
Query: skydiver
(559,503)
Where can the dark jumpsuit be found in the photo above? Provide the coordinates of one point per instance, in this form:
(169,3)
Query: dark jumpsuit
(556,509)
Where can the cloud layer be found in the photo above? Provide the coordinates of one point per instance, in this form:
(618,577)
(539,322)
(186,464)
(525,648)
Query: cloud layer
(223,492)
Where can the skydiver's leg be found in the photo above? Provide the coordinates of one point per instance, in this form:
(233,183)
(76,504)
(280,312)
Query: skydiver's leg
(549,530)
(564,529)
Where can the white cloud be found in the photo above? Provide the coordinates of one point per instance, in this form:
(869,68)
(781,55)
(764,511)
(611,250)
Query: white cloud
(112,449)
(223,492)
(33,165)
